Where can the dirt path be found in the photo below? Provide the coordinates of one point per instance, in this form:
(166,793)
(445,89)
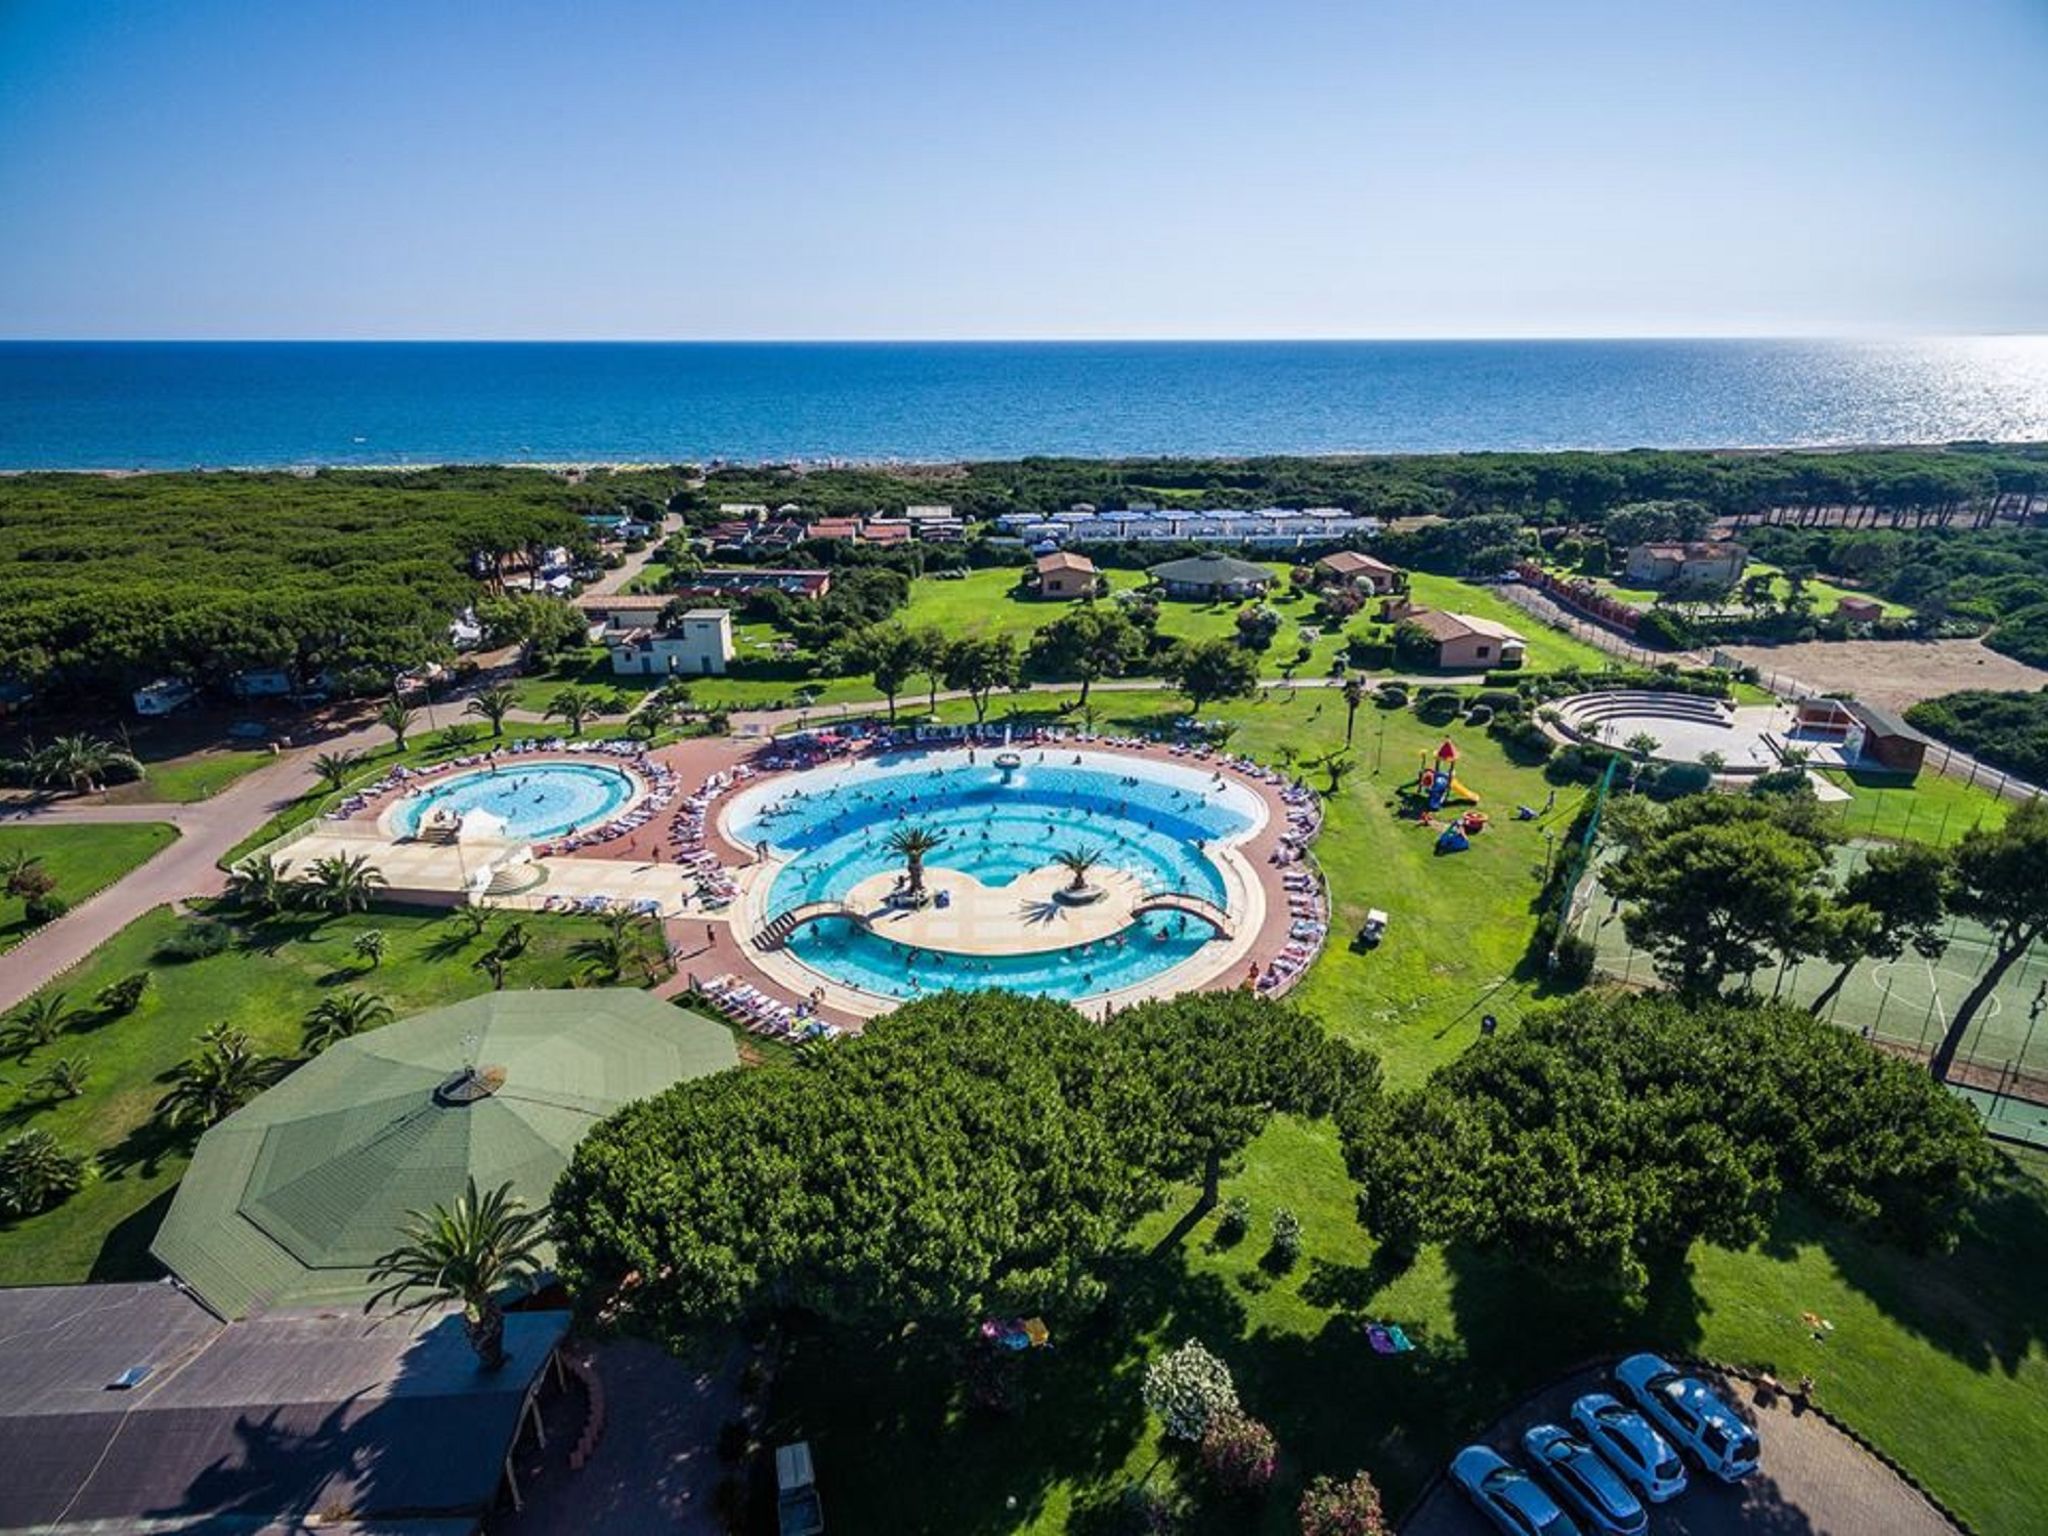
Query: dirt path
(1894,673)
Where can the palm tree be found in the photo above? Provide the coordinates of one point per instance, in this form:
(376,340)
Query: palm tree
(1078,862)
(493,704)
(262,885)
(396,716)
(36,1172)
(334,768)
(80,761)
(574,705)
(1336,765)
(343,1016)
(468,1254)
(492,964)
(35,1024)
(226,1074)
(64,1078)
(911,844)
(623,944)
(24,875)
(370,945)
(346,882)
(1354,695)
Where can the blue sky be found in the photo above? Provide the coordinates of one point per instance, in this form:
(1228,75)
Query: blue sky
(1064,168)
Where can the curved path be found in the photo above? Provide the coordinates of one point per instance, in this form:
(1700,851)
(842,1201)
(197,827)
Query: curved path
(1814,1481)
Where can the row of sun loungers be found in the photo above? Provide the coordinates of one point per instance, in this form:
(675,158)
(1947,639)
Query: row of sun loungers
(765,1015)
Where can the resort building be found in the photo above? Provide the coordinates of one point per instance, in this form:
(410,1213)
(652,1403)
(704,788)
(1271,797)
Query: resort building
(1351,568)
(618,612)
(699,644)
(1465,643)
(1066,575)
(290,1200)
(1868,733)
(1212,578)
(1275,528)
(1859,610)
(1687,565)
(742,582)
(131,1407)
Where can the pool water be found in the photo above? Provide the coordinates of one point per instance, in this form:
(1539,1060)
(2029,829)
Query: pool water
(1153,821)
(537,801)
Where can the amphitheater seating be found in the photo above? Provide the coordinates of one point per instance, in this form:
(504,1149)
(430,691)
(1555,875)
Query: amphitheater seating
(1585,714)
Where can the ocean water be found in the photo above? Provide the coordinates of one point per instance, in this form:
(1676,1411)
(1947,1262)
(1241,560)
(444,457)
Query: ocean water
(171,405)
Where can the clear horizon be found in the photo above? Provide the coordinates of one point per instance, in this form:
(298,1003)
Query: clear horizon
(1140,171)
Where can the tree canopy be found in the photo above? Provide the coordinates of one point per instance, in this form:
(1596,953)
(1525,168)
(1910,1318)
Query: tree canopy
(1604,1137)
(968,1150)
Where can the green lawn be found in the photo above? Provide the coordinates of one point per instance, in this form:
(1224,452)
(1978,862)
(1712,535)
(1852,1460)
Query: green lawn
(197,775)
(264,986)
(1932,809)
(1824,594)
(84,860)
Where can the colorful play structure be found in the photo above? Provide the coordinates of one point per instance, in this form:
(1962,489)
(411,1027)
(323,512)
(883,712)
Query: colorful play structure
(1436,785)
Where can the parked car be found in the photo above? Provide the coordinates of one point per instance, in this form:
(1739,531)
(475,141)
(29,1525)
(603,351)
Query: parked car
(1507,1495)
(1584,1483)
(1375,927)
(1631,1446)
(1693,1414)
(798,1511)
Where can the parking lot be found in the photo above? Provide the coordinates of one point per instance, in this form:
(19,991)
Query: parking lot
(1814,1480)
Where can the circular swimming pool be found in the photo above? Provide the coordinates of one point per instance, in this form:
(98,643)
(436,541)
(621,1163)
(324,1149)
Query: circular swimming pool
(536,801)
(1157,828)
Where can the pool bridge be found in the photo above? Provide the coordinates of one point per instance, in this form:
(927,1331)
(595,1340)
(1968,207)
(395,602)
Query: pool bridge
(777,932)
(1212,913)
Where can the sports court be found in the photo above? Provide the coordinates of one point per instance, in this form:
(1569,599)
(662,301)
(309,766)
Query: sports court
(1904,1003)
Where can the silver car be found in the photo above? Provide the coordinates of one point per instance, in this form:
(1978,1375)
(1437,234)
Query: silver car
(1631,1446)
(1584,1483)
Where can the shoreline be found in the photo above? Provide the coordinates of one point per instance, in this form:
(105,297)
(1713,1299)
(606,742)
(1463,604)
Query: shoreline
(816,465)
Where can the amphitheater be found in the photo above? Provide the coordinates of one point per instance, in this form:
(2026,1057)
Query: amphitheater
(1685,726)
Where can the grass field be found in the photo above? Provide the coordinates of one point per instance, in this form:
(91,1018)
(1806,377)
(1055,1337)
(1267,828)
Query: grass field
(264,986)
(1548,649)
(1933,809)
(195,776)
(84,860)
(1824,594)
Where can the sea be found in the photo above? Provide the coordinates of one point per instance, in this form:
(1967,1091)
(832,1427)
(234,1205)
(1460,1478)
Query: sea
(182,405)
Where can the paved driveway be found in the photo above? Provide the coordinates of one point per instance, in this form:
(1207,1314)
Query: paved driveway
(1814,1481)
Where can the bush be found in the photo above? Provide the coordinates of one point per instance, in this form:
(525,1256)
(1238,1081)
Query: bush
(1675,780)
(1349,1508)
(197,940)
(1234,1221)
(44,908)
(1286,1237)
(1479,714)
(1390,696)
(1504,677)
(37,1172)
(1522,738)
(1665,630)
(120,998)
(1239,1452)
(1187,1389)
(1438,709)
(1573,961)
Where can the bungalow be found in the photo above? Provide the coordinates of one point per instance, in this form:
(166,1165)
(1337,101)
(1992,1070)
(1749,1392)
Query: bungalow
(745,582)
(1687,565)
(260,683)
(620,611)
(1212,578)
(1066,575)
(834,529)
(1465,643)
(164,696)
(699,644)
(1350,568)
(1859,610)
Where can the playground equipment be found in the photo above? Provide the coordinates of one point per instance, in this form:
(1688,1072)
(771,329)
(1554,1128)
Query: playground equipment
(1438,781)
(1457,837)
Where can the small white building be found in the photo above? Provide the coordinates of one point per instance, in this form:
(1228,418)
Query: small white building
(699,644)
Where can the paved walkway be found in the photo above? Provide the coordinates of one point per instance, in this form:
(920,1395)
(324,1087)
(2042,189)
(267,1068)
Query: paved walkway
(207,829)
(657,1466)
(1814,1481)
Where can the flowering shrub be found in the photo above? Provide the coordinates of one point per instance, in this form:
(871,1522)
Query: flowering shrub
(1187,1389)
(1349,1508)
(1238,1451)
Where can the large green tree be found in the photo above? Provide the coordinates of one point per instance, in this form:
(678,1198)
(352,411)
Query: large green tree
(1896,901)
(1213,670)
(980,665)
(890,655)
(967,1151)
(2001,880)
(1092,641)
(1715,886)
(1601,1139)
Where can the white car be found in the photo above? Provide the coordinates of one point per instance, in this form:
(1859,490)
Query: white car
(1693,1414)
(1631,1446)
